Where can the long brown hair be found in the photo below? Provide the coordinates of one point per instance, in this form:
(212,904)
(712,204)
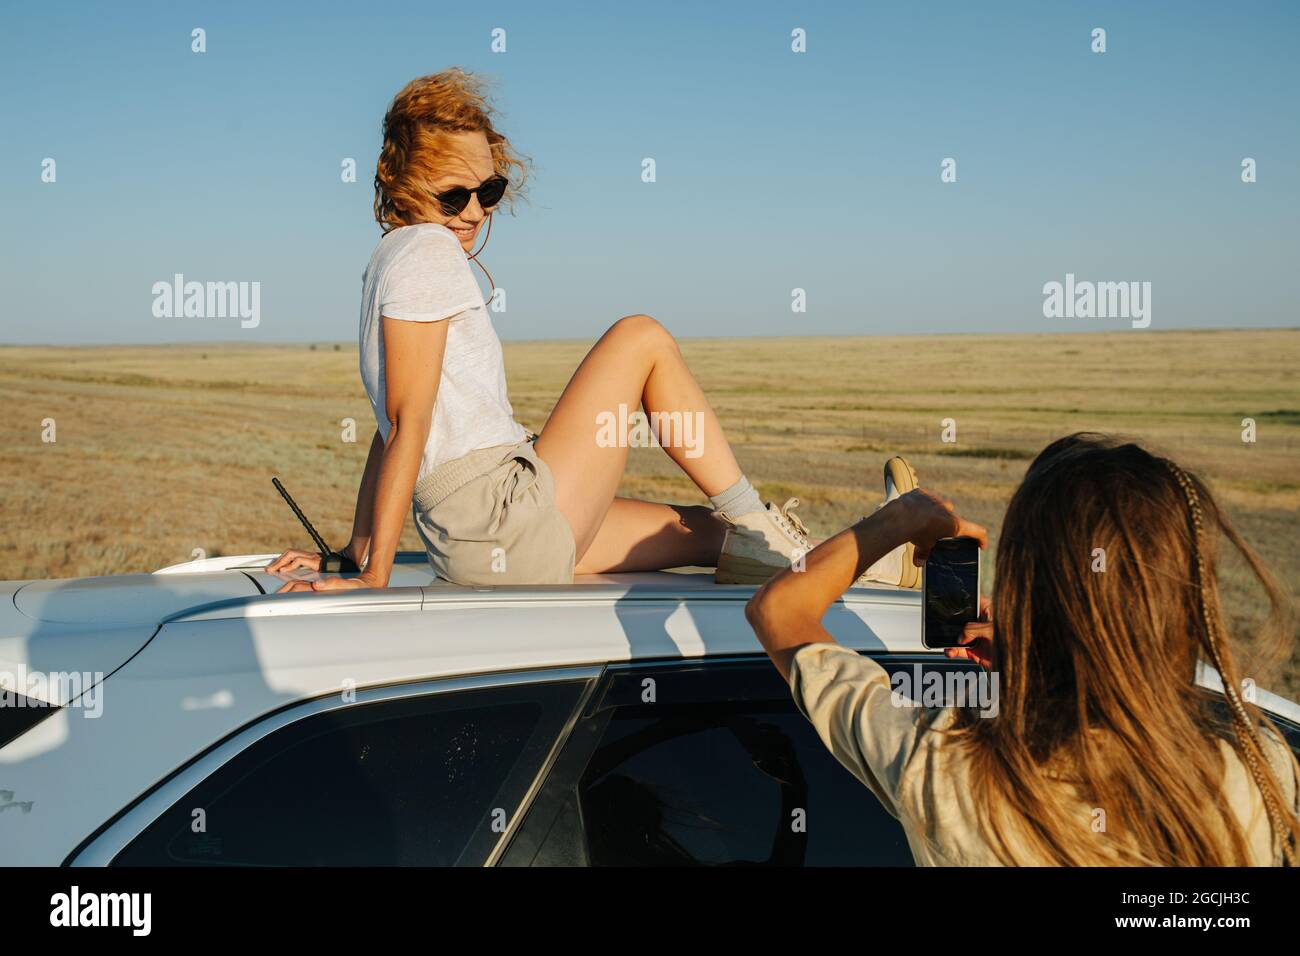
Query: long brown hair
(1097,670)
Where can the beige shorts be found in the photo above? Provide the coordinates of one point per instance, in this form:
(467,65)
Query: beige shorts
(489,517)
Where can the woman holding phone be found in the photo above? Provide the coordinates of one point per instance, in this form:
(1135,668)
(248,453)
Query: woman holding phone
(492,503)
(1102,749)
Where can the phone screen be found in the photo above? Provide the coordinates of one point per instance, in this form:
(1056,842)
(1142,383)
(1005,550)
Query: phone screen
(951,591)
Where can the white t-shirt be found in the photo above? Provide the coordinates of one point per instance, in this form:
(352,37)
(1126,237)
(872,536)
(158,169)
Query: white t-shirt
(420,274)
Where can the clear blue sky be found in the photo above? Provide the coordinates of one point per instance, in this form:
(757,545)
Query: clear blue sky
(775,170)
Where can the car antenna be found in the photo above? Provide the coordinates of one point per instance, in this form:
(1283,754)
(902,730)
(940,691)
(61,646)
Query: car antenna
(331,561)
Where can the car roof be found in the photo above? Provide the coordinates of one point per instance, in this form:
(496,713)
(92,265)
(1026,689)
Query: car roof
(95,625)
(413,586)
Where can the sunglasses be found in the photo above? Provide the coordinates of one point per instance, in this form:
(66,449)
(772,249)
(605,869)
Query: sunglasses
(489,192)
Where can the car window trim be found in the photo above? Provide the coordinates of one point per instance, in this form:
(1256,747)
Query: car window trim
(544,772)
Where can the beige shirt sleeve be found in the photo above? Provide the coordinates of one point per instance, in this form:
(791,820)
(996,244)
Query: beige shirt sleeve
(848,700)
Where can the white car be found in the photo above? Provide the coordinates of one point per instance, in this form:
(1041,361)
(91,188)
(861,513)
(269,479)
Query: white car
(626,719)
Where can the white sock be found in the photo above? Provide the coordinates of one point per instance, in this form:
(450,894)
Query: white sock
(739,499)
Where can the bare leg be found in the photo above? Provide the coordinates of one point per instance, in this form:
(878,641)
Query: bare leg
(645,536)
(635,363)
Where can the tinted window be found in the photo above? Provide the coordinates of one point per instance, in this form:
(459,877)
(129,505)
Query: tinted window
(1290,731)
(720,769)
(19,713)
(425,781)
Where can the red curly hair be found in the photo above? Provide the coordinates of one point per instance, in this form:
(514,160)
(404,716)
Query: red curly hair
(417,127)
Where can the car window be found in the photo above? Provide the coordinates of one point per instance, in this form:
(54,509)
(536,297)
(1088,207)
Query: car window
(20,713)
(423,781)
(1290,733)
(708,764)
(1289,729)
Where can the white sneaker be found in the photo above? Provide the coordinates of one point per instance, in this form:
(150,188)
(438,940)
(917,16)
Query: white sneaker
(760,544)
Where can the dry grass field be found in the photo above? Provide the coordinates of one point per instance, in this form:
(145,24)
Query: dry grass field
(164,450)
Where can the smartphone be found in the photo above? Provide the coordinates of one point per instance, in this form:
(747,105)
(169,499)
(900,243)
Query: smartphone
(950,591)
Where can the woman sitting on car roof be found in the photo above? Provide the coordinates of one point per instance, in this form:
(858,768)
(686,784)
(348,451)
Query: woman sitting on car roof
(493,503)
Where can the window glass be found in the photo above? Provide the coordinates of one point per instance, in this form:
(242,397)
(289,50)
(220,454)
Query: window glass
(706,764)
(20,713)
(427,781)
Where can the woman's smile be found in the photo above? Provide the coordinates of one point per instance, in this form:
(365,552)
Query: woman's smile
(465,234)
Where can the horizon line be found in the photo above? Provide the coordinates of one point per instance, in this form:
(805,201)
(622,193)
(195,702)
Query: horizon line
(220,343)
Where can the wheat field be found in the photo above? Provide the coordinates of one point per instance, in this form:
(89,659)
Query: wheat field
(163,450)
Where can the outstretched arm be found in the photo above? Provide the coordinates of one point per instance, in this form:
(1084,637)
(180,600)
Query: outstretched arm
(786,613)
